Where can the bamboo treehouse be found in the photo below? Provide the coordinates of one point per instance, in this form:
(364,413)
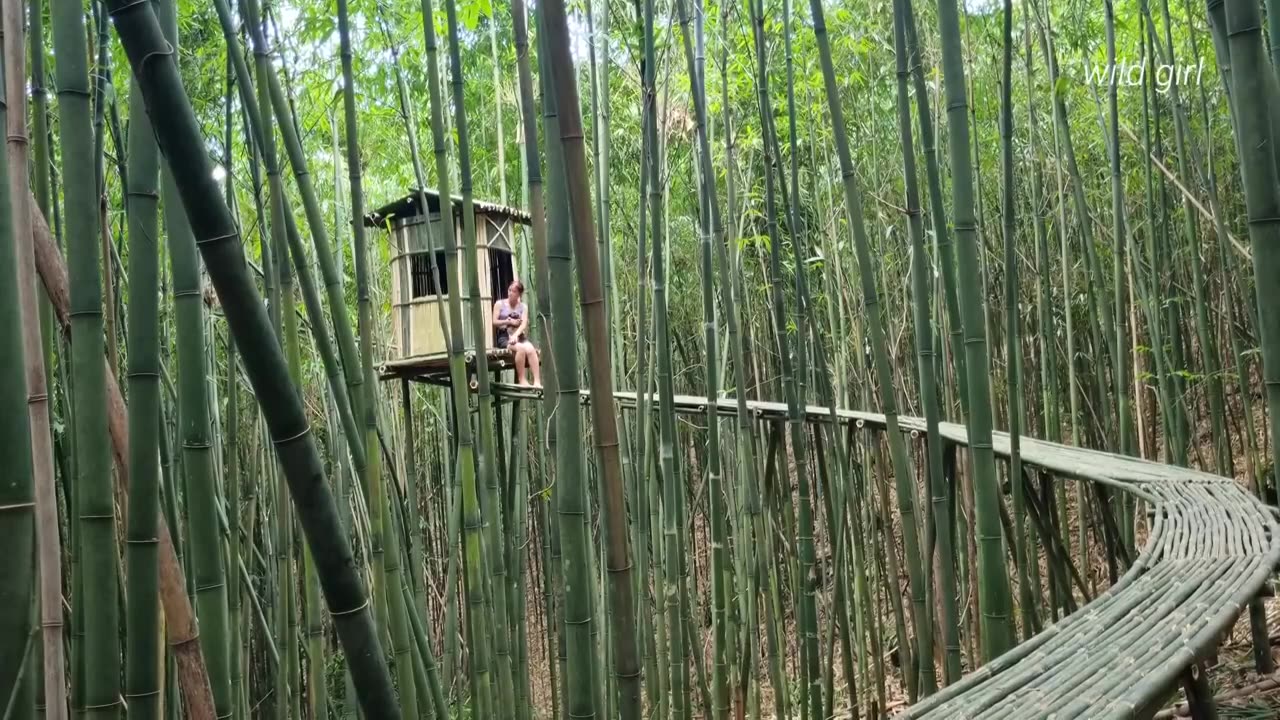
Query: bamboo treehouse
(422,283)
(902,360)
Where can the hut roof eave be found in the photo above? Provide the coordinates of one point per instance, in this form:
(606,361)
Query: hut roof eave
(407,206)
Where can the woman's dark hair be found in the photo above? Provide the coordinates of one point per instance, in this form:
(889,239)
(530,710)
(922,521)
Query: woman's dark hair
(517,285)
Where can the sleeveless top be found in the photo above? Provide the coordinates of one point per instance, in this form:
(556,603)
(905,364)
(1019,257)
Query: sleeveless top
(505,311)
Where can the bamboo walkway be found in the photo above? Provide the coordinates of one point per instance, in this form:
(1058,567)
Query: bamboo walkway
(1211,548)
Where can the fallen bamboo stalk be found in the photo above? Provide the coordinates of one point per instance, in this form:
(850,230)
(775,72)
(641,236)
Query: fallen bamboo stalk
(181,631)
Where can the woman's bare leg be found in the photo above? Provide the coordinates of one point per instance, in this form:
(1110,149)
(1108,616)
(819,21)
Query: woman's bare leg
(520,361)
(535,365)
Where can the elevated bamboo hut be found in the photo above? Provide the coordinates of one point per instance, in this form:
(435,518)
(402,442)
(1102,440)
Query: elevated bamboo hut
(421,283)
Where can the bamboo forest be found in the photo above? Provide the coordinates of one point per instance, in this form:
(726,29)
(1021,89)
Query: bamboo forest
(639,359)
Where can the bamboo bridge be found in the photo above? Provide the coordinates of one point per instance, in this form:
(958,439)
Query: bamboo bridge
(1211,548)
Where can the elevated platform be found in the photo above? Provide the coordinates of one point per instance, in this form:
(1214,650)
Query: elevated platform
(434,369)
(1211,548)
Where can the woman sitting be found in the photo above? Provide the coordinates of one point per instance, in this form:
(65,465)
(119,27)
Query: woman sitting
(511,321)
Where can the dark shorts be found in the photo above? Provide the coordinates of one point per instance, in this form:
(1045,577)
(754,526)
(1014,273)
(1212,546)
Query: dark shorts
(504,341)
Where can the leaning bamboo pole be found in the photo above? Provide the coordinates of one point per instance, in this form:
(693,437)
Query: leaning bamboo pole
(218,239)
(310,295)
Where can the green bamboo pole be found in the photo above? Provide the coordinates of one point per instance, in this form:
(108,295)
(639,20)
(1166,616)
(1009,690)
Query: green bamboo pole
(943,237)
(404,617)
(382,531)
(143,654)
(591,289)
(652,630)
(676,670)
(711,228)
(1210,357)
(1255,92)
(1013,352)
(571,492)
(926,361)
(1050,396)
(313,618)
(218,241)
(812,676)
(399,623)
(810,695)
(95,536)
(541,311)
(1122,344)
(499,135)
(197,447)
(1098,303)
(275,261)
(272,101)
(921,616)
(311,299)
(465,469)
(491,518)
(746,470)
(993,598)
(48,659)
(17,493)
(1169,399)
(436,690)
(651,548)
(231,464)
(1250,436)
(763,571)
(101,77)
(540,315)
(410,609)
(288,687)
(357,367)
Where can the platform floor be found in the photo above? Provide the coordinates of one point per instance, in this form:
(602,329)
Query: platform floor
(434,369)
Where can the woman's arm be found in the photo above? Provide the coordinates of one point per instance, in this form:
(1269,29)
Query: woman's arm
(497,315)
(524,325)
